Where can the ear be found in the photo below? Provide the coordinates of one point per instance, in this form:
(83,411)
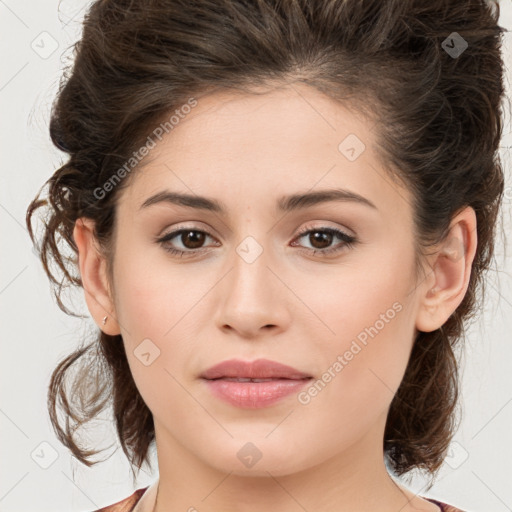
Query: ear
(94,277)
(447,279)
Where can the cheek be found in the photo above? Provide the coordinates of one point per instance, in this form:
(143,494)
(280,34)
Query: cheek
(151,296)
(362,371)
(367,344)
(153,309)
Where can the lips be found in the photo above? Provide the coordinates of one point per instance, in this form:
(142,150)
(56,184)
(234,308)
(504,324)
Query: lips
(260,370)
(254,384)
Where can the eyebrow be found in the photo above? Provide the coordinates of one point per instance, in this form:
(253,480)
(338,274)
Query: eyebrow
(284,204)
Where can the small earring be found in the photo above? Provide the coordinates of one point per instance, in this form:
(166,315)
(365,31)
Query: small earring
(105,318)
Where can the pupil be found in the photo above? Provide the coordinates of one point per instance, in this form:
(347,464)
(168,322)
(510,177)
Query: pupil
(320,238)
(193,234)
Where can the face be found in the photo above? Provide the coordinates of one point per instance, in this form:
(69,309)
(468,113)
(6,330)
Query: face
(326,287)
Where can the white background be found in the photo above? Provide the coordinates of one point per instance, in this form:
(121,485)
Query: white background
(477,475)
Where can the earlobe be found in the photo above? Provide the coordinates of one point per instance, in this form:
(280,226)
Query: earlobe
(447,281)
(92,265)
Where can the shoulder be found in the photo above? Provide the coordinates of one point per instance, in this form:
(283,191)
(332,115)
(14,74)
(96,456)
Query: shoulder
(443,506)
(126,505)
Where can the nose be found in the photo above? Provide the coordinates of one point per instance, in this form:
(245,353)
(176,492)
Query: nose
(253,299)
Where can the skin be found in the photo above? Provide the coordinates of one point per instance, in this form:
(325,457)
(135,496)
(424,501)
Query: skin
(288,305)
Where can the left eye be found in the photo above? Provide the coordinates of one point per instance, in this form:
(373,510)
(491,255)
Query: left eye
(192,239)
(326,237)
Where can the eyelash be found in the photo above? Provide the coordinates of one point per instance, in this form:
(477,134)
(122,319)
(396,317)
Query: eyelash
(349,241)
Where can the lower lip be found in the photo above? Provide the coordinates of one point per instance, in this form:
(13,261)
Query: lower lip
(254,395)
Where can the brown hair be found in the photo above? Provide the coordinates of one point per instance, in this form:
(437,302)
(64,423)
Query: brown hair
(438,119)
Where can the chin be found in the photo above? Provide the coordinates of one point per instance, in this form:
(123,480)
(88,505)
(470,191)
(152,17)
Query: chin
(258,458)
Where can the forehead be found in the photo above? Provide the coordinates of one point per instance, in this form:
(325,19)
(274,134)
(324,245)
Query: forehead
(274,143)
(286,114)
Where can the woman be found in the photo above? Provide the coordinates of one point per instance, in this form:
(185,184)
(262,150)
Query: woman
(280,214)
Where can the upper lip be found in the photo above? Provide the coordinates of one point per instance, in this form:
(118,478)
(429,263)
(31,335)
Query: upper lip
(258,369)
